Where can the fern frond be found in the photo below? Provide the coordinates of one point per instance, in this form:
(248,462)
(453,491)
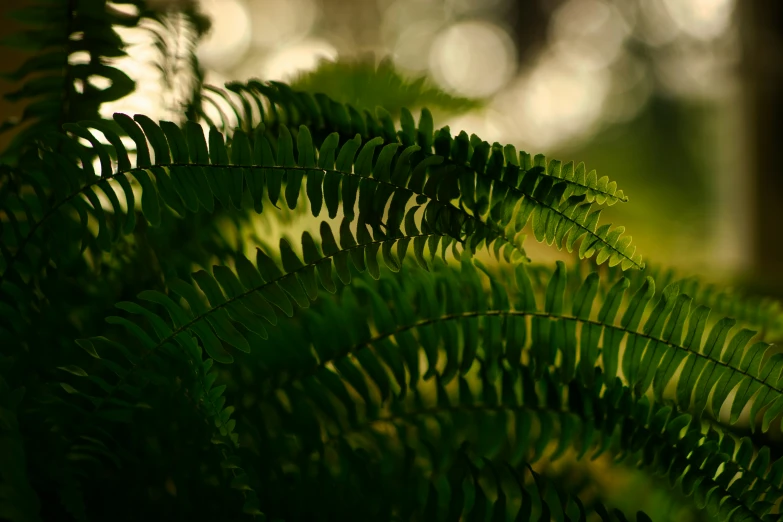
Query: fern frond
(248,297)
(755,311)
(189,175)
(276,103)
(654,343)
(559,417)
(199,176)
(545,415)
(548,420)
(416,477)
(558,197)
(448,317)
(660,347)
(654,349)
(471,488)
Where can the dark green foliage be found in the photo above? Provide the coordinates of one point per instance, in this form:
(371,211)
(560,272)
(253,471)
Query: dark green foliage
(71,42)
(17,499)
(303,327)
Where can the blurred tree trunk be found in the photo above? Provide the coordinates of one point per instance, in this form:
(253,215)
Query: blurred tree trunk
(762,68)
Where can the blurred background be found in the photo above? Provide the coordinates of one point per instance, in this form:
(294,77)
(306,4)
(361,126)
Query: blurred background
(677,100)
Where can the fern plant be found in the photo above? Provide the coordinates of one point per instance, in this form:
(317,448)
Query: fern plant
(167,357)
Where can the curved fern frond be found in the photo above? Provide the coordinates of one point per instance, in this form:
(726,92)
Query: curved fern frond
(248,296)
(660,351)
(393,460)
(189,175)
(759,312)
(546,419)
(240,307)
(322,380)
(581,417)
(465,487)
(276,103)
(557,196)
(657,353)
(657,350)
(471,488)
(198,175)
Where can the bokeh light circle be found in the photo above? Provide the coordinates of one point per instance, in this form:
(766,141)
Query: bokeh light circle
(472,58)
(588,34)
(553,104)
(701,19)
(229,37)
(413,44)
(655,26)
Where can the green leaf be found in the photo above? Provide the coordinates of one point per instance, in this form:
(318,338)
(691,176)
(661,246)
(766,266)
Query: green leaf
(156,137)
(135,133)
(218,178)
(305,147)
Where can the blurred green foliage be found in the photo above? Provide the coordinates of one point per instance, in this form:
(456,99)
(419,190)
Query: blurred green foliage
(366,83)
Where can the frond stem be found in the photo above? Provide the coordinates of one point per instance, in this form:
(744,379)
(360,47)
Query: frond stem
(231,300)
(516,313)
(55,207)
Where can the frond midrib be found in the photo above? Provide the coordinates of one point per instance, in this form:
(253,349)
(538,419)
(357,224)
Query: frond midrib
(200,317)
(54,208)
(518,313)
(447,160)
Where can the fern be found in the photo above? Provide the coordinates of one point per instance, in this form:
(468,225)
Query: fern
(559,197)
(374,368)
(276,103)
(189,175)
(759,312)
(438,330)
(459,413)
